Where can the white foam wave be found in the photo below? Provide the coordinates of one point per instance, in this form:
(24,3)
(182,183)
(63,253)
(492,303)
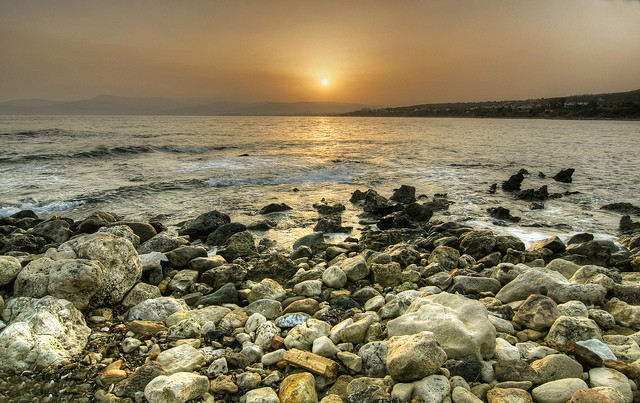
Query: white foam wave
(40,208)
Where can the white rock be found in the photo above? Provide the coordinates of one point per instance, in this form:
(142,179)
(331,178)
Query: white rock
(262,395)
(157,309)
(182,358)
(413,357)
(505,351)
(325,347)
(9,269)
(334,277)
(302,336)
(434,388)
(598,347)
(176,388)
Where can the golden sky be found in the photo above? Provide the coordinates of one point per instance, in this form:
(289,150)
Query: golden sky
(375,52)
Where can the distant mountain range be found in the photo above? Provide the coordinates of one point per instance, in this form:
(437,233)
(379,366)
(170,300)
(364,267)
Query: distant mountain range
(619,105)
(116,105)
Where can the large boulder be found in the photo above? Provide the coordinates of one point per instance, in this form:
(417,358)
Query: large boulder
(41,333)
(461,325)
(76,280)
(9,269)
(120,263)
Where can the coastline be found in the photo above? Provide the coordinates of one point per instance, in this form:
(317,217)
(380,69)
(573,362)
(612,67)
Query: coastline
(210,313)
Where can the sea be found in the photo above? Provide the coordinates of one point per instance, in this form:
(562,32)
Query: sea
(171,168)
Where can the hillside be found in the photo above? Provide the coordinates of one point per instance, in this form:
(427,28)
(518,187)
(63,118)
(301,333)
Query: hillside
(622,105)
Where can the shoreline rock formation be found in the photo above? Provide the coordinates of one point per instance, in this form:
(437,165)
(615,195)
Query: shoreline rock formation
(414,310)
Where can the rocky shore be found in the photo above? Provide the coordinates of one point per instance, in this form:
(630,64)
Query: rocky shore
(414,310)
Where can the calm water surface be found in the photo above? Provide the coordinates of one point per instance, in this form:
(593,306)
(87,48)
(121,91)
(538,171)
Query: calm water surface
(174,168)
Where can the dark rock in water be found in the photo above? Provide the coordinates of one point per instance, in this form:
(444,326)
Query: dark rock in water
(24,214)
(397,220)
(513,183)
(523,171)
(241,244)
(439,203)
(329,209)
(227,294)
(357,196)
(377,204)
(418,212)
(405,194)
(541,175)
(224,232)
(622,208)
(204,224)
(627,225)
(96,221)
(536,206)
(493,188)
(506,242)
(580,238)
(330,224)
(564,175)
(275,208)
(261,225)
(477,243)
(27,223)
(532,194)
(502,213)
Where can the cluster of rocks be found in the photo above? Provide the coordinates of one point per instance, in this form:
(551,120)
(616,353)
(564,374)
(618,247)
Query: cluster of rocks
(514,184)
(415,310)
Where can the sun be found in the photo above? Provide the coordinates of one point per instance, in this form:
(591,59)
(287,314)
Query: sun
(324,82)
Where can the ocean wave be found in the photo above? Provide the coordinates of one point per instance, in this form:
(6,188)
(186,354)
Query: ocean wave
(194,149)
(37,133)
(41,208)
(99,152)
(320,175)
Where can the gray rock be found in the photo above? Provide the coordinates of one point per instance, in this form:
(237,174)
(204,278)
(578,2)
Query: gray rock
(302,336)
(56,230)
(152,261)
(538,312)
(374,359)
(414,357)
(325,347)
(176,388)
(434,388)
(603,318)
(334,277)
(532,281)
(355,268)
(598,347)
(121,231)
(225,294)
(266,289)
(559,391)
(556,366)
(223,274)
(476,285)
(357,331)
(140,293)
(157,309)
(41,333)
(161,243)
(505,351)
(180,257)
(573,308)
(121,266)
(309,288)
(269,308)
(262,395)
(554,244)
(33,280)
(462,395)
(182,358)
(138,380)
(387,275)
(185,329)
(566,329)
(265,333)
(607,377)
(9,269)
(460,324)
(183,280)
(213,314)
(224,232)
(76,280)
(564,267)
(625,348)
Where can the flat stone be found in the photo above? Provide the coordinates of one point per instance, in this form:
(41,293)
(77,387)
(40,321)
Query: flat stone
(558,391)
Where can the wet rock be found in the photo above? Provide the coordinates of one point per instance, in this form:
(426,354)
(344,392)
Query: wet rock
(404,194)
(513,183)
(97,220)
(201,226)
(41,333)
(460,325)
(540,194)
(274,208)
(414,357)
(176,388)
(502,213)
(564,175)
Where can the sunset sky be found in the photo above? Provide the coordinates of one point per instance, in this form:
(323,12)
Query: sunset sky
(375,52)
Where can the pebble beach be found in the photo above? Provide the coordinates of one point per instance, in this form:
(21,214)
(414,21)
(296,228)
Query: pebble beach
(414,309)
